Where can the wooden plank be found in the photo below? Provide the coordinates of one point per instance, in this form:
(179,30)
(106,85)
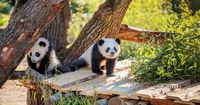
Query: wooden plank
(90,86)
(120,87)
(69,79)
(123,64)
(77,77)
(188,94)
(161,90)
(195,99)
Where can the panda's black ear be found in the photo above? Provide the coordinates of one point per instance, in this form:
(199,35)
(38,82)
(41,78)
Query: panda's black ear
(101,42)
(118,40)
(42,44)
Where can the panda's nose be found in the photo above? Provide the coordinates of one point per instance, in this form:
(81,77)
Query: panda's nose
(34,60)
(112,53)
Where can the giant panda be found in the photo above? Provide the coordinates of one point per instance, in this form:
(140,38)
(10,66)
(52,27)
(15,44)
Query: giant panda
(103,53)
(42,57)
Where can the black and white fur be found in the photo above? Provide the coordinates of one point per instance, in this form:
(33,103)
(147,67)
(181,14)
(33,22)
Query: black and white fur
(103,53)
(42,57)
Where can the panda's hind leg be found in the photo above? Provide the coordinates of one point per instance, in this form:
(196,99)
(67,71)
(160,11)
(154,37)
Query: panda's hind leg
(96,67)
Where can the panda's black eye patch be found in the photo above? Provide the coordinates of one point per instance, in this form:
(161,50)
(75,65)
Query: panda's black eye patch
(108,49)
(30,54)
(37,54)
(42,44)
(115,49)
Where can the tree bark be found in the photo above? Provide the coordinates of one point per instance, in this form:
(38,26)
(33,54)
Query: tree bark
(21,33)
(105,22)
(57,31)
(17,7)
(139,35)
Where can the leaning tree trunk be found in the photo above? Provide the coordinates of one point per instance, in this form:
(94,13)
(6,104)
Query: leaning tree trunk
(57,31)
(18,37)
(105,22)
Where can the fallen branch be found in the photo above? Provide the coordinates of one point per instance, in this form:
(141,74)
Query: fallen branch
(139,35)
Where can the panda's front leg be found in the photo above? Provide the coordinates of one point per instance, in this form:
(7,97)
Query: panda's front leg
(96,67)
(110,66)
(31,64)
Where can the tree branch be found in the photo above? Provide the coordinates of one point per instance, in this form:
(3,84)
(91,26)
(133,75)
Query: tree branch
(26,27)
(139,35)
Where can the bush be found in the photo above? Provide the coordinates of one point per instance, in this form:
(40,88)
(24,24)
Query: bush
(179,58)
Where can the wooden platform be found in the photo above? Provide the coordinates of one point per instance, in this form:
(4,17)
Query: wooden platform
(88,83)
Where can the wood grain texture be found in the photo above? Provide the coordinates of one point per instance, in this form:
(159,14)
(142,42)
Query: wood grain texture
(98,82)
(58,29)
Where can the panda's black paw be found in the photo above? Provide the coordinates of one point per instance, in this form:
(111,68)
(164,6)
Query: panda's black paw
(99,72)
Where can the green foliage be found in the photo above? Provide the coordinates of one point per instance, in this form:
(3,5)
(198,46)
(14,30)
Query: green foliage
(179,58)
(4,20)
(81,11)
(73,99)
(180,55)
(149,14)
(5,7)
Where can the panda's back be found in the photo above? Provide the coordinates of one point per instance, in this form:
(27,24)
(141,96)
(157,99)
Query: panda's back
(87,55)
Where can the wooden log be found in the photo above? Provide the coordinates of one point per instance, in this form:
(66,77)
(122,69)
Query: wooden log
(140,35)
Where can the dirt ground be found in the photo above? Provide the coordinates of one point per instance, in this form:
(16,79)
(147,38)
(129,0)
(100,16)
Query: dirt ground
(11,93)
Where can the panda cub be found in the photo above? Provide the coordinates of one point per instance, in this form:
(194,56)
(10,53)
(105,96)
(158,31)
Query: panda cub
(103,53)
(42,57)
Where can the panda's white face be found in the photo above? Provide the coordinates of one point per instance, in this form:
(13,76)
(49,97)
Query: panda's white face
(39,50)
(109,47)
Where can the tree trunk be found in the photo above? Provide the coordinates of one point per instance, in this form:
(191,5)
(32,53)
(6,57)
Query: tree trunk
(57,31)
(105,22)
(21,33)
(17,7)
